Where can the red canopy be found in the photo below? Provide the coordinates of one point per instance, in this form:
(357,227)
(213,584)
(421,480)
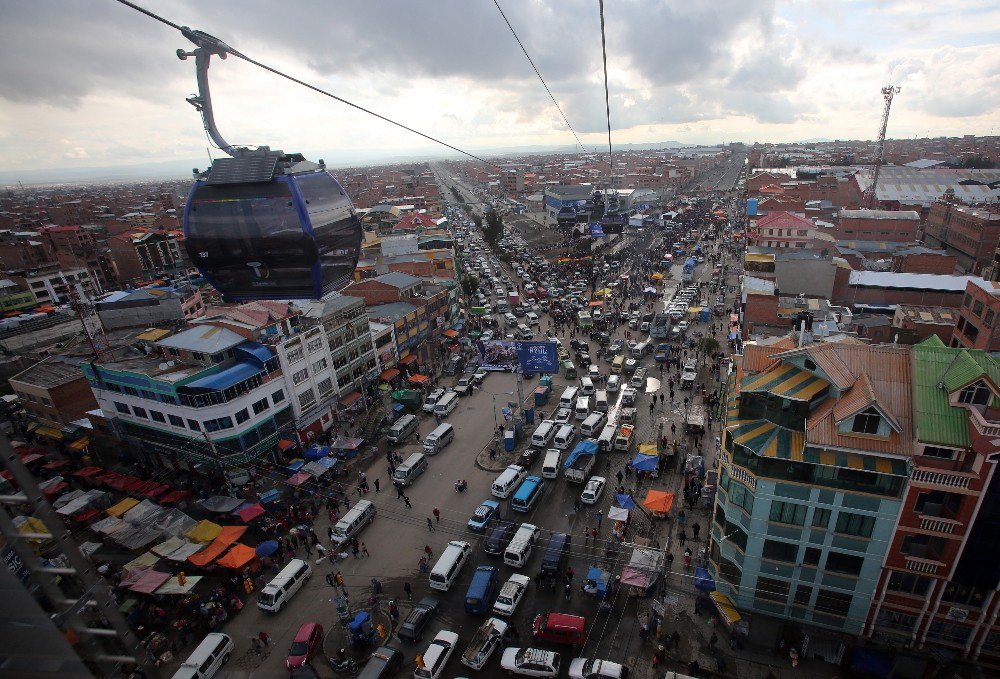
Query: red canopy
(31,457)
(88,514)
(87,472)
(135,485)
(55,464)
(298,479)
(174,496)
(55,489)
(157,489)
(248,514)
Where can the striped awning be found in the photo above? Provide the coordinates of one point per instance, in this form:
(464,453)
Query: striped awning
(769,440)
(834,458)
(787,381)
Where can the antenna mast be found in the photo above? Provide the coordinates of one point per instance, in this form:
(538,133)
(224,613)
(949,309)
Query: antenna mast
(868,201)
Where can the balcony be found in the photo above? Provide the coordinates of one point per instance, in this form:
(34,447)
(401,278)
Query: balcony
(926,566)
(943,480)
(983,426)
(939,524)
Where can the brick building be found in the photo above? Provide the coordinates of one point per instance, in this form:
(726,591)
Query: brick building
(54,392)
(852,288)
(913,323)
(978,324)
(878,225)
(972,234)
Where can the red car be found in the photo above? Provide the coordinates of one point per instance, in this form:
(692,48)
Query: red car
(307,640)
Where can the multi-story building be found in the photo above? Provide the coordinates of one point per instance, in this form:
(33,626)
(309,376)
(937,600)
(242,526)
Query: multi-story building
(812,473)
(783,230)
(898,226)
(978,326)
(938,587)
(345,321)
(52,284)
(307,364)
(209,400)
(54,392)
(13,297)
(970,233)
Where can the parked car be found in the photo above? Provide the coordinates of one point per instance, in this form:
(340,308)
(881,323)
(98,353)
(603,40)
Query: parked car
(530,662)
(529,457)
(593,490)
(585,668)
(416,620)
(306,641)
(484,514)
(511,594)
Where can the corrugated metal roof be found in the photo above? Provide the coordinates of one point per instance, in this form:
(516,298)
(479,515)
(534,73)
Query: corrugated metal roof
(918,281)
(209,339)
(968,366)
(937,421)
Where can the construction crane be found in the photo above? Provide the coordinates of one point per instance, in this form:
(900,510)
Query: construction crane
(868,200)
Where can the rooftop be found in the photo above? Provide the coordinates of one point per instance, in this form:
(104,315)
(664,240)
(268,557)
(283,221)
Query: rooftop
(928,315)
(205,339)
(49,374)
(331,304)
(910,281)
(398,279)
(392,312)
(909,215)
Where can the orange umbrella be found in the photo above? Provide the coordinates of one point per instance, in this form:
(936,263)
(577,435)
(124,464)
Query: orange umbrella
(658,501)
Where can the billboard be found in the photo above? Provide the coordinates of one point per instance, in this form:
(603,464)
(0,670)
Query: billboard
(596,231)
(507,356)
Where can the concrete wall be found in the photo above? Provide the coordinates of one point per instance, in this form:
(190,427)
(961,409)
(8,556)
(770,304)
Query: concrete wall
(141,316)
(813,278)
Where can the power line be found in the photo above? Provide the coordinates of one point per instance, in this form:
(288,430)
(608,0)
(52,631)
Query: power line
(530,61)
(314,88)
(607,99)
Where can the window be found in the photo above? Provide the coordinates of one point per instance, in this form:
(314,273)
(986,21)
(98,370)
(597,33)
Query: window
(157,416)
(811,556)
(219,423)
(771,589)
(802,232)
(176,421)
(140,412)
(821,518)
(307,398)
(923,546)
(295,355)
(198,356)
(260,406)
(173,352)
(277,397)
(300,376)
(977,307)
(976,394)
(989,319)
(803,593)
(740,495)
(242,416)
(788,512)
(121,407)
(315,345)
(963,595)
(780,551)
(908,583)
(940,453)
(833,603)
(970,330)
(938,503)
(844,563)
(321,364)
(855,524)
(131,391)
(194,425)
(729,571)
(325,386)
(218,358)
(949,632)
(148,395)
(866,422)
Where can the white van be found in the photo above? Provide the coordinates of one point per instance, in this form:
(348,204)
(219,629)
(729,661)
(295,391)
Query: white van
(568,397)
(449,565)
(582,408)
(519,550)
(404,427)
(285,584)
(447,404)
(412,467)
(564,437)
(638,380)
(438,652)
(532,318)
(606,439)
(551,463)
(351,523)
(543,433)
(640,350)
(208,658)
(510,319)
(593,424)
(438,439)
(586,386)
(524,332)
(508,480)
(601,401)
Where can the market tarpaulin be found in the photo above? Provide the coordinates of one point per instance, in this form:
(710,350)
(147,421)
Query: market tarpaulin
(149,582)
(648,449)
(174,586)
(298,479)
(168,546)
(645,463)
(227,536)
(248,514)
(174,497)
(221,504)
(88,472)
(285,445)
(122,507)
(205,531)
(617,514)
(108,525)
(658,501)
(143,562)
(237,557)
(419,379)
(703,580)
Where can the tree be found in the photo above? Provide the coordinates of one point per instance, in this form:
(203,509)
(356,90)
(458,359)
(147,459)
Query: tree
(708,345)
(478,221)
(470,284)
(494,227)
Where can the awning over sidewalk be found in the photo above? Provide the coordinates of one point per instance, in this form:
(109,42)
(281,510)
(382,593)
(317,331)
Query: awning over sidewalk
(407,360)
(350,399)
(730,617)
(390,374)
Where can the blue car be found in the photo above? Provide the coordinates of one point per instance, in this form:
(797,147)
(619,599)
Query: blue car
(484,514)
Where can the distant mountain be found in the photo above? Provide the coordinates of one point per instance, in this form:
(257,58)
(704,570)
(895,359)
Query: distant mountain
(814,140)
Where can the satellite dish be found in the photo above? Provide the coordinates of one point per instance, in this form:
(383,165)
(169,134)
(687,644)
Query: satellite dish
(171,364)
(164,366)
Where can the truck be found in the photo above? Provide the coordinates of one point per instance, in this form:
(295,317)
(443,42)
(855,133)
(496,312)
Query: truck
(579,463)
(662,352)
(687,275)
(695,420)
(513,299)
(486,640)
(660,328)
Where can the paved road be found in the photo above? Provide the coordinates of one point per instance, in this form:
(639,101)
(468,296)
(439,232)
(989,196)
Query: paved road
(723,177)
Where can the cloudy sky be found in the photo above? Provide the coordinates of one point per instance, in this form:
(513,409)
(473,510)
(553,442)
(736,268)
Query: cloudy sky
(91,83)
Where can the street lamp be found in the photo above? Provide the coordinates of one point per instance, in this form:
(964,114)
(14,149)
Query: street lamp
(496,424)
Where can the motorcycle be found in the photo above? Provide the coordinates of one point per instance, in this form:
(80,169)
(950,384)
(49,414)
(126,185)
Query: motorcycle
(460,486)
(345,666)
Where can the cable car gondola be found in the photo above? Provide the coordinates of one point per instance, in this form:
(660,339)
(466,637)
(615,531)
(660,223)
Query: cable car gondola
(264,224)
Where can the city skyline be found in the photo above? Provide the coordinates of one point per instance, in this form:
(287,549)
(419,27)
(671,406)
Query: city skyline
(113,94)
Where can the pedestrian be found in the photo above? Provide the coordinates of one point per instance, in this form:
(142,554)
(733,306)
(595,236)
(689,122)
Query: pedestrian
(376,586)
(620,476)
(408,590)
(376,484)
(568,590)
(593,534)
(675,638)
(265,638)
(399,492)
(437,515)
(661,399)
(407,501)
(430,524)
(695,528)
(682,536)
(586,535)
(428,551)
(354,550)
(600,518)
(651,406)
(364,550)
(657,658)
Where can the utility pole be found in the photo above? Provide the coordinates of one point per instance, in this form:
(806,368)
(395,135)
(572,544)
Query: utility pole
(870,197)
(79,601)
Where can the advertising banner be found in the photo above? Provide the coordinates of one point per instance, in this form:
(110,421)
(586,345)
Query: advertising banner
(497,354)
(538,357)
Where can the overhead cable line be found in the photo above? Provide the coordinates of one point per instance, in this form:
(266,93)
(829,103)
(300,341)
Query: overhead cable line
(607,99)
(236,53)
(530,61)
